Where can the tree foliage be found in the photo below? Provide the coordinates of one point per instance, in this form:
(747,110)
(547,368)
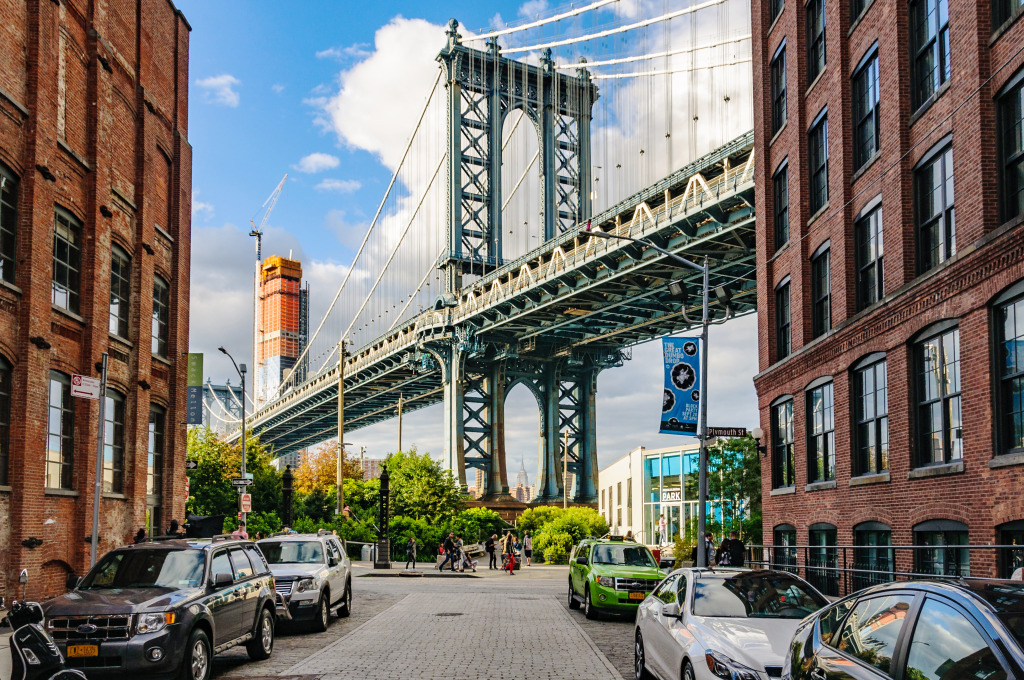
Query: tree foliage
(318,469)
(218,461)
(421,488)
(556,530)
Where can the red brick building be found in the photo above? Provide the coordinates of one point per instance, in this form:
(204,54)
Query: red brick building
(890,192)
(94,257)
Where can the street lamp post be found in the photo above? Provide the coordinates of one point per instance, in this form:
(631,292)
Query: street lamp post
(702,483)
(241,374)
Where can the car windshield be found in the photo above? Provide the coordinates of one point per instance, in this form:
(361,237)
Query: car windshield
(624,555)
(147,569)
(292,552)
(755,595)
(1007,598)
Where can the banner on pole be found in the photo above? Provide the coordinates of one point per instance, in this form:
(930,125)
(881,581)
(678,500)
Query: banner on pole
(680,406)
(194,390)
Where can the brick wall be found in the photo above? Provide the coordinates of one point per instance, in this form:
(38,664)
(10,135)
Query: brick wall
(94,100)
(989,258)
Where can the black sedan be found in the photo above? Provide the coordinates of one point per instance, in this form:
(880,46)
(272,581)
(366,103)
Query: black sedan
(919,630)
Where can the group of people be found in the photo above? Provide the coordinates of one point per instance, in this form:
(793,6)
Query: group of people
(729,553)
(511,549)
(452,549)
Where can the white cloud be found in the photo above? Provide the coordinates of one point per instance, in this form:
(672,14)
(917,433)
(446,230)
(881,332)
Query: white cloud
(221,90)
(278,88)
(317,162)
(339,186)
(200,208)
(532,8)
(354,51)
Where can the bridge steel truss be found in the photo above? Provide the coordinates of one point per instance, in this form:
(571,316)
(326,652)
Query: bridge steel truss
(551,320)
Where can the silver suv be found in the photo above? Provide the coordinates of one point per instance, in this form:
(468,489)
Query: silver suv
(312,576)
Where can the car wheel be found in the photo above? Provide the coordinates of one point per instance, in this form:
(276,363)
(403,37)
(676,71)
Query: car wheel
(323,614)
(261,646)
(589,610)
(640,659)
(687,671)
(573,602)
(196,665)
(346,602)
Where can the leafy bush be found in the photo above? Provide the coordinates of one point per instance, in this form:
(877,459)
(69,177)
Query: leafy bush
(476,524)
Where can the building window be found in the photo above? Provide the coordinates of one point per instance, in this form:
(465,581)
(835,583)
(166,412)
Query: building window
(778,70)
(871,411)
(821,293)
(161,315)
(784,552)
(929,48)
(1010,327)
(113,443)
(937,553)
(782,327)
(783,474)
(938,388)
(857,8)
(821,438)
(815,39)
(823,559)
(869,253)
(120,291)
(67,260)
(936,218)
(1011,559)
(1011,154)
(780,191)
(155,456)
(777,7)
(817,154)
(60,449)
(8,223)
(5,419)
(1002,10)
(866,122)
(872,558)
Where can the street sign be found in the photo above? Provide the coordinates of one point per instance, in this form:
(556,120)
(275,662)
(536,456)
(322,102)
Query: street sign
(240,481)
(85,387)
(727,432)
(246,503)
(191,464)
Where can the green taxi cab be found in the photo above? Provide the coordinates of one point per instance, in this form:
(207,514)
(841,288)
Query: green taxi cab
(611,574)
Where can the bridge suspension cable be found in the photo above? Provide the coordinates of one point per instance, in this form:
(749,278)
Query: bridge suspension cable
(613,31)
(541,22)
(654,55)
(668,72)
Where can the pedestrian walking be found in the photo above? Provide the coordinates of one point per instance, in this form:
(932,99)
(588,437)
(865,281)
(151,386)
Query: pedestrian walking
(528,548)
(662,531)
(709,547)
(460,554)
(508,542)
(489,546)
(410,552)
(449,551)
(732,551)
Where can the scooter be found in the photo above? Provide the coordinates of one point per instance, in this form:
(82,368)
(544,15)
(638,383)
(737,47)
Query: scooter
(31,654)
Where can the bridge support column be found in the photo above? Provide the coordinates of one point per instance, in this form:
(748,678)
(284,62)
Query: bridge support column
(484,427)
(452,365)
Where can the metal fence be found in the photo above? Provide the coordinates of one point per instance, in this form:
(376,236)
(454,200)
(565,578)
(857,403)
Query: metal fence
(840,570)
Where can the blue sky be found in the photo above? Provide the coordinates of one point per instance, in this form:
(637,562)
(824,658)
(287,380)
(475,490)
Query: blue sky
(263,76)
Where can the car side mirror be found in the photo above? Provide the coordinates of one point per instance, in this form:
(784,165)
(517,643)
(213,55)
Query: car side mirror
(332,561)
(221,580)
(671,610)
(582,561)
(72,582)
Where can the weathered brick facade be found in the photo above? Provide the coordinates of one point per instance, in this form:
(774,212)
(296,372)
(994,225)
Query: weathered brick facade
(985,490)
(94,104)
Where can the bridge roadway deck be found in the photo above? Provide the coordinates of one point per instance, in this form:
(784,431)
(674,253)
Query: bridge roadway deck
(573,295)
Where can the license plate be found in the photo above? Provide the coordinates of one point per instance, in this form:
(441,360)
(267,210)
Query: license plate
(83,650)
(637,596)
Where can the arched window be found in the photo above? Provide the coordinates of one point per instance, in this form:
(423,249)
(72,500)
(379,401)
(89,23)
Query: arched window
(120,291)
(8,222)
(823,558)
(937,553)
(161,316)
(1008,311)
(784,552)
(872,559)
(1011,559)
(113,443)
(5,418)
(60,448)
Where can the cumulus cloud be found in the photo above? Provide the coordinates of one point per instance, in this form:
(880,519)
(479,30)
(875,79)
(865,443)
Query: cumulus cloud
(532,8)
(278,88)
(354,51)
(200,208)
(317,162)
(339,186)
(220,90)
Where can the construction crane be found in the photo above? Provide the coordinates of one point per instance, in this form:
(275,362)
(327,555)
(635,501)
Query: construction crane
(257,233)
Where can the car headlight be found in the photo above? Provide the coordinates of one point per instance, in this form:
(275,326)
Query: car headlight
(724,667)
(606,581)
(305,584)
(151,623)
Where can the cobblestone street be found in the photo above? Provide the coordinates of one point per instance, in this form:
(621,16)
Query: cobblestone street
(484,625)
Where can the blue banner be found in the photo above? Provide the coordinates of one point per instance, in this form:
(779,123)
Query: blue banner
(680,406)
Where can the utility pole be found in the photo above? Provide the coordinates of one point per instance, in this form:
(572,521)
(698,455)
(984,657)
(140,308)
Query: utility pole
(362,465)
(341,427)
(399,422)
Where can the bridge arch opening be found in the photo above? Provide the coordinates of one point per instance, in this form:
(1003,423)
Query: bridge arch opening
(522,215)
(523,438)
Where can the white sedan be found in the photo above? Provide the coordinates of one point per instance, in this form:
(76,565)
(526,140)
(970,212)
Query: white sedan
(721,624)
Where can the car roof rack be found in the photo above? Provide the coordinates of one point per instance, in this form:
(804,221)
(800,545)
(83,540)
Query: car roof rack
(324,532)
(224,537)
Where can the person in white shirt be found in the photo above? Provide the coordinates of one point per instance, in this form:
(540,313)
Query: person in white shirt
(662,531)
(528,547)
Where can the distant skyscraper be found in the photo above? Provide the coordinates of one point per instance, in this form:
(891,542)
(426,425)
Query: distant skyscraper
(282,331)
(522,479)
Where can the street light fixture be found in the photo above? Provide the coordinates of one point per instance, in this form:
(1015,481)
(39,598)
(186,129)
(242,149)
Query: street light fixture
(241,374)
(702,486)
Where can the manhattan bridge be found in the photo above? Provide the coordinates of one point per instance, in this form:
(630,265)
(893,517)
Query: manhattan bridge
(478,272)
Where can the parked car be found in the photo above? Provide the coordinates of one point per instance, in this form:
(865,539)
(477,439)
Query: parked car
(163,609)
(729,624)
(611,574)
(313,576)
(917,630)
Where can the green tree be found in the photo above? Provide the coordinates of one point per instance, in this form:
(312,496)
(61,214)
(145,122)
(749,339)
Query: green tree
(218,461)
(476,524)
(534,518)
(421,488)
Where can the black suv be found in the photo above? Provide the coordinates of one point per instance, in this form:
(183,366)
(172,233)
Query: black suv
(163,609)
